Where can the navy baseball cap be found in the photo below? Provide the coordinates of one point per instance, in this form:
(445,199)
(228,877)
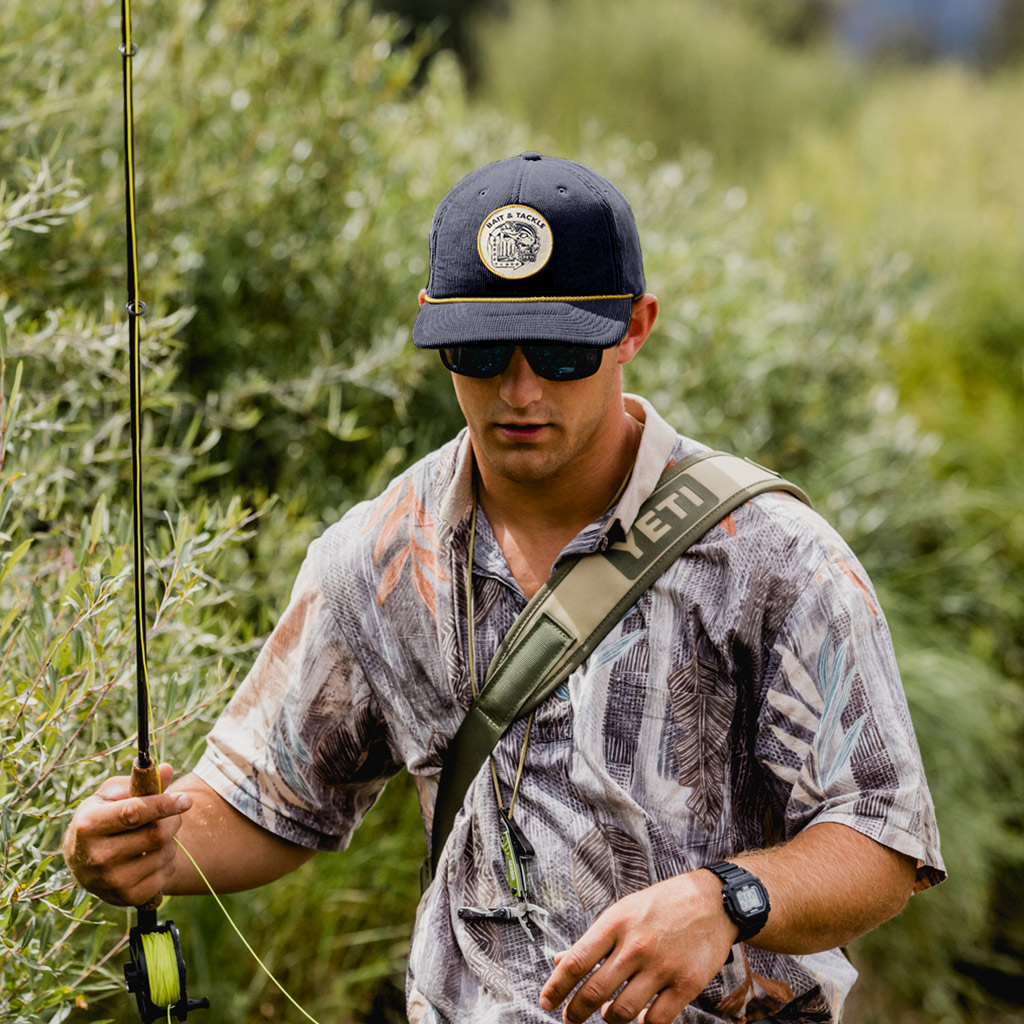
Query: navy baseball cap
(531,249)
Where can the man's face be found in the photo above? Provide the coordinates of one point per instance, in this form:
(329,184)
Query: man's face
(527,429)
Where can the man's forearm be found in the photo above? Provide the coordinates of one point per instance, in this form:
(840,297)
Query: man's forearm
(827,886)
(233,852)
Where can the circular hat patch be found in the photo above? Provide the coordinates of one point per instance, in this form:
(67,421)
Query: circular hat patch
(514,241)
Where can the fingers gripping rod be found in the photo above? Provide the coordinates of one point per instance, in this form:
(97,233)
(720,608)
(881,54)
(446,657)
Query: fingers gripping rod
(156,971)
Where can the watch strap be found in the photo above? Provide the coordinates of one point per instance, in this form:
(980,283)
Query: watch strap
(728,872)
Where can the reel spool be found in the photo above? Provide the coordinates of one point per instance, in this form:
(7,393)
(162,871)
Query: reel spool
(156,972)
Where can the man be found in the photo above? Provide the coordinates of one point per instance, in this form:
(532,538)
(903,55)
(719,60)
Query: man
(742,732)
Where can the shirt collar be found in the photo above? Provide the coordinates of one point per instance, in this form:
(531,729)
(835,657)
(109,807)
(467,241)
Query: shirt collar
(655,452)
(454,482)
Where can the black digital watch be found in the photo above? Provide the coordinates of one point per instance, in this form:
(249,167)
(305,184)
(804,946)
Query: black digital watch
(744,897)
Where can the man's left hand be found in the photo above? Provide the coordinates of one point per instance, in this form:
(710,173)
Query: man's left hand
(660,946)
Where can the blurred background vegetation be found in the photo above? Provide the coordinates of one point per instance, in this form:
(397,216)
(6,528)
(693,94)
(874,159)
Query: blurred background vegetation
(832,208)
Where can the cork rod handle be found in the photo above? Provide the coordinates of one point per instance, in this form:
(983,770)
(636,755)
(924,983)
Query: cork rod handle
(146,782)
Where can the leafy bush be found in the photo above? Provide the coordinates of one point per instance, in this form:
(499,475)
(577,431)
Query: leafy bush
(929,168)
(947,192)
(209,432)
(954,953)
(66,640)
(675,74)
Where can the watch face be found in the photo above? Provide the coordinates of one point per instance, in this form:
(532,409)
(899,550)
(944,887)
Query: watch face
(749,899)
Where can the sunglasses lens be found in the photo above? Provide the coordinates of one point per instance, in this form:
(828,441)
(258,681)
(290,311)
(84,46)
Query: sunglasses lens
(477,360)
(552,362)
(563,362)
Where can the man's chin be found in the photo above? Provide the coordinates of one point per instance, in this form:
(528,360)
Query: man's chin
(525,467)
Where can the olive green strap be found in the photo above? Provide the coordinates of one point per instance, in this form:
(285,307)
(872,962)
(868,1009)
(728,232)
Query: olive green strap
(571,614)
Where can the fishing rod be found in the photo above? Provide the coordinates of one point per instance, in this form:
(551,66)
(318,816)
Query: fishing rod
(156,971)
(155,974)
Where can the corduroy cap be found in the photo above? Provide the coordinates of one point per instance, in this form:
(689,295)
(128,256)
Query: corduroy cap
(531,249)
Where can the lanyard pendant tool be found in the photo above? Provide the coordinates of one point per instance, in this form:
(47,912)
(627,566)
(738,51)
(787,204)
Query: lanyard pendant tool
(517,850)
(520,912)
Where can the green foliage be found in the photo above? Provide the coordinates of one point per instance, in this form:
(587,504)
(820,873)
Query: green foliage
(286,177)
(953,199)
(307,228)
(809,21)
(898,179)
(970,719)
(673,74)
(335,933)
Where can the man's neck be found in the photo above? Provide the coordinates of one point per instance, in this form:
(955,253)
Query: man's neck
(534,520)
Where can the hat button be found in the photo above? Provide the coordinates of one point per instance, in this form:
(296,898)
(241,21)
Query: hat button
(531,155)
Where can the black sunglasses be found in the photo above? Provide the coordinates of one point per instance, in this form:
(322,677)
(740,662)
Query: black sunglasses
(552,362)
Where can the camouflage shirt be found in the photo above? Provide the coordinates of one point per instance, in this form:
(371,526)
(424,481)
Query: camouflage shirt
(751,692)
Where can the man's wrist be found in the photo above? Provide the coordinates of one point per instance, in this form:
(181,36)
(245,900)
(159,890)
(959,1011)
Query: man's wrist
(744,898)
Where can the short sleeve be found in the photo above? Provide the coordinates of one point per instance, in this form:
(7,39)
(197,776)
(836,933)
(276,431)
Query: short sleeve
(834,728)
(302,748)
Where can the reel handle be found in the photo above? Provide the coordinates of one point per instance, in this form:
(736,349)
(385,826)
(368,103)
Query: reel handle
(146,782)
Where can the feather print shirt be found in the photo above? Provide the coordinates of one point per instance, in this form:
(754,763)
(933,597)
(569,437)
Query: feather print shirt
(749,693)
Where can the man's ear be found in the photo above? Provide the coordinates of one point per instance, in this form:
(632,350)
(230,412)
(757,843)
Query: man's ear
(641,322)
(423,295)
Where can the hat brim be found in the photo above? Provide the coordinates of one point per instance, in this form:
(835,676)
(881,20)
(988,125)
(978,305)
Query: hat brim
(594,323)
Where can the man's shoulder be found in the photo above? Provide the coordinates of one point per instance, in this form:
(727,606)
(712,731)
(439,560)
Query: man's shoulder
(429,481)
(774,540)
(774,525)
(410,518)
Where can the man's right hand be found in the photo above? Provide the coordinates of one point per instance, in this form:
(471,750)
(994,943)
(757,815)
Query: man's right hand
(121,847)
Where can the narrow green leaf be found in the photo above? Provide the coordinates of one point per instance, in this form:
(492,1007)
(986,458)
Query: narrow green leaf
(11,402)
(97,525)
(15,556)
(7,495)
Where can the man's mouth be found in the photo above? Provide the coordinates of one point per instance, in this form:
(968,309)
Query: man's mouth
(520,431)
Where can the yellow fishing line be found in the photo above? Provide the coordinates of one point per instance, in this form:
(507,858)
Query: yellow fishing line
(230,920)
(162,968)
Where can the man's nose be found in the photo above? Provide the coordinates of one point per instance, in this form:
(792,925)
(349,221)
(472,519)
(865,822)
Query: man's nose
(519,384)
